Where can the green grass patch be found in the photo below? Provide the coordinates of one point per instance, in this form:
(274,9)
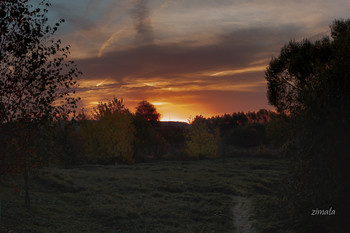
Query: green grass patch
(169,196)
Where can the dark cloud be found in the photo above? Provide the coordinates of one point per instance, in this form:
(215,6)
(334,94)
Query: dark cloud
(185,72)
(234,50)
(142,22)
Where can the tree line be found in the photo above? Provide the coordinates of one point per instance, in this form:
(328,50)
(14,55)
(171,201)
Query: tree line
(112,134)
(308,83)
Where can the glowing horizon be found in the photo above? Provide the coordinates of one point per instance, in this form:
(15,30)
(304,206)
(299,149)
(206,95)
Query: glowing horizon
(188,58)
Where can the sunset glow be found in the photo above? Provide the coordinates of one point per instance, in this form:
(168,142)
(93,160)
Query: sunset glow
(186,57)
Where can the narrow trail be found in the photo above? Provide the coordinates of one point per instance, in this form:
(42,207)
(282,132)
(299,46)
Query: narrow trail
(242,215)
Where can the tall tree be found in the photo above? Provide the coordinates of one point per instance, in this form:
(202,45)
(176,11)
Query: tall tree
(147,111)
(293,72)
(310,81)
(36,82)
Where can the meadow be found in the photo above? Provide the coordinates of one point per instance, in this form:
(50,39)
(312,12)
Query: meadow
(213,195)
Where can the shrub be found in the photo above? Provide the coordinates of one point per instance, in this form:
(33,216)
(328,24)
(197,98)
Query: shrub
(110,136)
(200,141)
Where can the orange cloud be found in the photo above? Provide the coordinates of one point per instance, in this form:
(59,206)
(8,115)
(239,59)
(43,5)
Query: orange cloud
(239,71)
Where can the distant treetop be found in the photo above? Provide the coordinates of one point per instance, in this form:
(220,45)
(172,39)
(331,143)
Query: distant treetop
(147,111)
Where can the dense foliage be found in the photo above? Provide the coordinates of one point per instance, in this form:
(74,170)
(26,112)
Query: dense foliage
(149,143)
(36,81)
(242,129)
(147,111)
(36,85)
(310,82)
(110,136)
(201,142)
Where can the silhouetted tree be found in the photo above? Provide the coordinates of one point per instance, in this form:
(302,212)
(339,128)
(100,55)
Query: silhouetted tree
(105,110)
(252,117)
(310,81)
(149,143)
(294,71)
(279,130)
(264,116)
(36,83)
(147,111)
(242,118)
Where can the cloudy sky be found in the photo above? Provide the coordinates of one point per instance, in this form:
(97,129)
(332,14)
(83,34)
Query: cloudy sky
(187,57)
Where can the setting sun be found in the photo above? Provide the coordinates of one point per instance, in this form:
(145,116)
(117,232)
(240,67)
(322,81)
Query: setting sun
(187,58)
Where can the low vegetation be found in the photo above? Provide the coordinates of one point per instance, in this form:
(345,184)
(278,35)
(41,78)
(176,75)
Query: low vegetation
(111,186)
(168,196)
(201,142)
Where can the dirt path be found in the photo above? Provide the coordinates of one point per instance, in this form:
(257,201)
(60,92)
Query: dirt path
(241,215)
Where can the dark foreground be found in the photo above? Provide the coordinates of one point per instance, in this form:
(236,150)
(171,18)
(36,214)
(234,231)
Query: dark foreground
(174,196)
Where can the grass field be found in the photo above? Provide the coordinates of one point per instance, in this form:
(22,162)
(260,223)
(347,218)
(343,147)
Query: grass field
(171,196)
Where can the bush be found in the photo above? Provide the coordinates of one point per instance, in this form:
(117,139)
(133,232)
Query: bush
(110,136)
(200,141)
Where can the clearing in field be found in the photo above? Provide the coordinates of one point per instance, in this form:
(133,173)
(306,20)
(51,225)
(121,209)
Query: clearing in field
(172,196)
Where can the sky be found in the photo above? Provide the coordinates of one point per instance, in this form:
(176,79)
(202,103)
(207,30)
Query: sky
(187,57)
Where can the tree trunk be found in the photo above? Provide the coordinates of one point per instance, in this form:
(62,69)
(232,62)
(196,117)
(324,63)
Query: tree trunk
(26,189)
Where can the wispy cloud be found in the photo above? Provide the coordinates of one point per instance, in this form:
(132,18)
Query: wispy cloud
(199,56)
(234,51)
(124,32)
